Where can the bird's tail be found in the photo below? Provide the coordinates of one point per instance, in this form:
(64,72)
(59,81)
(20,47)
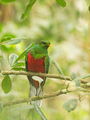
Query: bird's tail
(36,92)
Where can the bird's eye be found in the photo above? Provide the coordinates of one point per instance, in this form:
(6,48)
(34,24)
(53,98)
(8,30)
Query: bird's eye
(43,43)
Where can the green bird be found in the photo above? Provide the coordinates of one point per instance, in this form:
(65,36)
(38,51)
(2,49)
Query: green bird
(37,60)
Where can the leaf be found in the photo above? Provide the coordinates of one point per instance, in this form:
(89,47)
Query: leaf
(6,37)
(14,41)
(24,53)
(12,59)
(19,64)
(10,39)
(77,79)
(6,1)
(61,3)
(19,68)
(70,105)
(28,8)
(6,84)
(6,48)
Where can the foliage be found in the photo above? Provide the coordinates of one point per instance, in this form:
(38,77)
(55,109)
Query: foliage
(6,84)
(28,8)
(6,1)
(61,2)
(70,105)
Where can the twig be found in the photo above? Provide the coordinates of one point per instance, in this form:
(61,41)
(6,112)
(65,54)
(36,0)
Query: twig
(60,92)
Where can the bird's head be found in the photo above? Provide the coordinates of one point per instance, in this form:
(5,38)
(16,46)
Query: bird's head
(45,44)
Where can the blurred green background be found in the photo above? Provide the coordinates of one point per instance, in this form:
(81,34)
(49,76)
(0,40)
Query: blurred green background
(68,31)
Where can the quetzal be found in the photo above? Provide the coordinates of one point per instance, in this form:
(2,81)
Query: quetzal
(37,60)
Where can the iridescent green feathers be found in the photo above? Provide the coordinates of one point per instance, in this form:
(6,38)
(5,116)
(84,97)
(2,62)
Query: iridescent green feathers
(39,50)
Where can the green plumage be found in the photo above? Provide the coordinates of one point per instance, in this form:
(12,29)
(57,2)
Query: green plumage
(39,51)
(47,62)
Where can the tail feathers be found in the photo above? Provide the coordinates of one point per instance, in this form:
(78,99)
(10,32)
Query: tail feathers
(39,111)
(36,92)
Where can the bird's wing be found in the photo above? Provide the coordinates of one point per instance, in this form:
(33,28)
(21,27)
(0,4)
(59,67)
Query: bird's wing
(47,62)
(26,57)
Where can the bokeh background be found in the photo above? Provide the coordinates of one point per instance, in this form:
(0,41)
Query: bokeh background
(68,31)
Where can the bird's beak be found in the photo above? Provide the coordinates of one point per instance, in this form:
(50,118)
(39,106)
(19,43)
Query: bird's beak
(50,45)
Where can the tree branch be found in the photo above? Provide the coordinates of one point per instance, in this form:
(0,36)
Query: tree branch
(60,92)
(44,75)
(57,93)
(37,74)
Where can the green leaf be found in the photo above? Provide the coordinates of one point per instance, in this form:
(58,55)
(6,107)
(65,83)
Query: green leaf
(61,3)
(12,59)
(6,1)
(19,69)
(6,48)
(19,64)
(24,53)
(28,8)
(70,105)
(6,37)
(10,39)
(13,41)
(6,84)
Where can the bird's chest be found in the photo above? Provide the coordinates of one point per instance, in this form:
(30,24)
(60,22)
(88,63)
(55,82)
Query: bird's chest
(35,65)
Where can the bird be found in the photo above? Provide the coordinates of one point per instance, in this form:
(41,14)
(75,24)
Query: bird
(37,61)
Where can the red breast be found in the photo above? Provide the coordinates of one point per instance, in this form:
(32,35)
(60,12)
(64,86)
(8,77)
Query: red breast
(35,65)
